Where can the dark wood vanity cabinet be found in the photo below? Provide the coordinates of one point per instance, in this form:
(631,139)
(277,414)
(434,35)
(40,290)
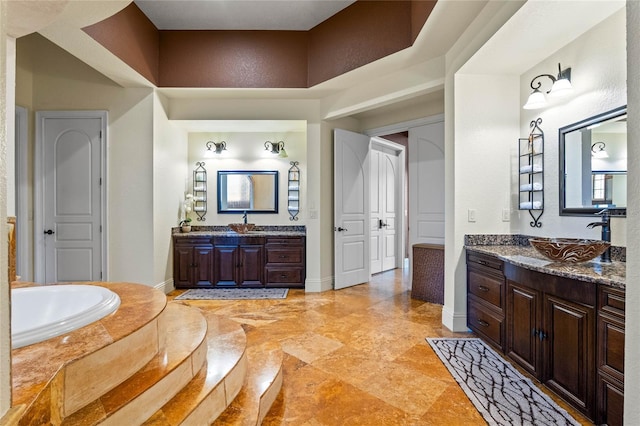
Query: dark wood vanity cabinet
(485,301)
(567,333)
(193,263)
(551,332)
(239,261)
(610,382)
(285,262)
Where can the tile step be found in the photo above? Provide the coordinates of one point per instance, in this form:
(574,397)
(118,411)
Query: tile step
(175,365)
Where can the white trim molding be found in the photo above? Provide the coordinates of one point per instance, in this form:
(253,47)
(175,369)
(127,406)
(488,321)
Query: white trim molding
(456,322)
(166,287)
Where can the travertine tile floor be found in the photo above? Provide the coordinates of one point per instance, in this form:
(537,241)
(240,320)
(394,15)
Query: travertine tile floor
(356,356)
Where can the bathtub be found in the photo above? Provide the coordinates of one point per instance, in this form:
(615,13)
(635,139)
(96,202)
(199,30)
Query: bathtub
(42,312)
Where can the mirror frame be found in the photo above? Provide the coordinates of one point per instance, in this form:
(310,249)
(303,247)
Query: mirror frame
(273,173)
(583,211)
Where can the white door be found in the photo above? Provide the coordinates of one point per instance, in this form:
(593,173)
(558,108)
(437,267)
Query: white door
(68,229)
(384,209)
(351,208)
(426,184)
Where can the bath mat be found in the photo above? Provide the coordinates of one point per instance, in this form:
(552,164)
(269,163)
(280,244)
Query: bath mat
(234,294)
(498,391)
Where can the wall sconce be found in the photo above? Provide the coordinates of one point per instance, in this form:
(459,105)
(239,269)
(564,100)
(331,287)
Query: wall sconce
(215,148)
(598,151)
(561,86)
(276,148)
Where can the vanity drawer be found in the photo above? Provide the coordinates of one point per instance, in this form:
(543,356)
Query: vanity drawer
(289,241)
(277,276)
(611,300)
(284,255)
(486,261)
(487,287)
(486,323)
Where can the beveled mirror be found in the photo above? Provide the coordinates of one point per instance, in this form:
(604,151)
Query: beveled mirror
(593,165)
(253,191)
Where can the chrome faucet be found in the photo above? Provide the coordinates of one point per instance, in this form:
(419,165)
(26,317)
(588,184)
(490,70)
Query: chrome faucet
(245,217)
(605,223)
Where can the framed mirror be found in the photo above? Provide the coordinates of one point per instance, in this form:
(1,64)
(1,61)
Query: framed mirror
(593,165)
(249,190)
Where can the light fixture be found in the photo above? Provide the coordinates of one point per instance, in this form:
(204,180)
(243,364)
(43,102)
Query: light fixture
(276,148)
(598,150)
(561,86)
(215,148)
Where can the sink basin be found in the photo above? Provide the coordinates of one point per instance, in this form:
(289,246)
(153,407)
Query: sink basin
(242,228)
(569,249)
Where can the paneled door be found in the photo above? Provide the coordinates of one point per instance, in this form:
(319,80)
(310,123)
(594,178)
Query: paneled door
(384,209)
(351,208)
(69,196)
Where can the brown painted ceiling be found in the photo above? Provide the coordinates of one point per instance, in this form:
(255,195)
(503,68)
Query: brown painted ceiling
(356,35)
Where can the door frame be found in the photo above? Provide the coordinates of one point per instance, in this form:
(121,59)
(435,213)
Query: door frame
(399,150)
(24,259)
(38,193)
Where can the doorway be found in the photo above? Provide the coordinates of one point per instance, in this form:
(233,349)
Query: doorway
(70,196)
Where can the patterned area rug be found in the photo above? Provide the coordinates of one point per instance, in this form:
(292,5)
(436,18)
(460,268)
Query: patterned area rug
(233,294)
(500,393)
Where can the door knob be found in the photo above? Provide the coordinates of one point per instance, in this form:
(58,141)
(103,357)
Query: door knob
(340,229)
(49,232)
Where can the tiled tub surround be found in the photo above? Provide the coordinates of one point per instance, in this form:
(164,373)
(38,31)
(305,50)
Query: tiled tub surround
(44,369)
(516,250)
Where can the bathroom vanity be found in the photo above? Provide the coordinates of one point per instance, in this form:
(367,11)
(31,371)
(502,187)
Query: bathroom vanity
(563,323)
(216,257)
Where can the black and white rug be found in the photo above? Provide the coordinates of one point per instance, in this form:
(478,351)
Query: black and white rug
(500,392)
(233,294)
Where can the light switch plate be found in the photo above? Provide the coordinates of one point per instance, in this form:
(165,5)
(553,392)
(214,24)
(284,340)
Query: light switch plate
(506,215)
(471,215)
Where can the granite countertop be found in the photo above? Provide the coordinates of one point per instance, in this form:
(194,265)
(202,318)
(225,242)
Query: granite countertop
(612,274)
(225,231)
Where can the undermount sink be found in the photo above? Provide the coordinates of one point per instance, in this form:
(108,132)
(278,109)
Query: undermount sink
(572,250)
(242,228)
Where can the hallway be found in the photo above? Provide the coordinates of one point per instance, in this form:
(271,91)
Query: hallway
(357,356)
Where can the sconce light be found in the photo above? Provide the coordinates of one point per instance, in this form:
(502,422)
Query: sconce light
(561,86)
(597,150)
(215,148)
(276,148)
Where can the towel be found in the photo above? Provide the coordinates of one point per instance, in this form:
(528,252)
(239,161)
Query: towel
(536,186)
(531,168)
(529,205)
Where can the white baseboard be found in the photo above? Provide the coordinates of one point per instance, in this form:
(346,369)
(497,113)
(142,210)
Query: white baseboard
(318,286)
(165,287)
(455,322)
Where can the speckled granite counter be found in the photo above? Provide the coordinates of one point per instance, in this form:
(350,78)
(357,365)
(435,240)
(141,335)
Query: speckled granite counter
(259,231)
(517,251)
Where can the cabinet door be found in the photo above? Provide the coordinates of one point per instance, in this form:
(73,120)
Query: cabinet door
(523,346)
(570,348)
(203,270)
(225,265)
(251,265)
(183,266)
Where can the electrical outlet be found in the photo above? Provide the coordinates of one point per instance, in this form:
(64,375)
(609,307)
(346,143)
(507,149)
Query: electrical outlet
(471,213)
(506,215)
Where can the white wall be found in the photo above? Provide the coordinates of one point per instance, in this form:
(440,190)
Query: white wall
(169,163)
(65,83)
(632,330)
(5,330)
(246,151)
(598,62)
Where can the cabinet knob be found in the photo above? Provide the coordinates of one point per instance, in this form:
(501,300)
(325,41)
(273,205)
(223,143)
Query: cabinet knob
(283,275)
(483,288)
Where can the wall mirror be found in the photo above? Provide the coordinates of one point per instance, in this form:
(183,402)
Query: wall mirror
(249,190)
(593,165)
